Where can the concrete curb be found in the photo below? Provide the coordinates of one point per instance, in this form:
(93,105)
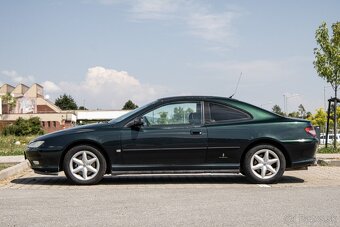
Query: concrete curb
(328,162)
(13,170)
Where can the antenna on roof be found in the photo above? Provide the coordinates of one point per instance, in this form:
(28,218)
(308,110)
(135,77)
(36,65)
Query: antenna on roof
(238,82)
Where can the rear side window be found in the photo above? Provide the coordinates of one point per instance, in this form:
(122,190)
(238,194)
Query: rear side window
(218,112)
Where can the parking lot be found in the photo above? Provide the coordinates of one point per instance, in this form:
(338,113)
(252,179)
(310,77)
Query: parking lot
(308,198)
(317,176)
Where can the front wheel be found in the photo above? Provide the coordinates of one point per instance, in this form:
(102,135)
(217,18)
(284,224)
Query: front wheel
(84,165)
(264,164)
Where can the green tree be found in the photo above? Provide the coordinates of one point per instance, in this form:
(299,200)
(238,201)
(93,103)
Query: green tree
(82,108)
(178,116)
(294,114)
(129,105)
(163,118)
(319,119)
(302,111)
(9,100)
(66,102)
(327,59)
(277,109)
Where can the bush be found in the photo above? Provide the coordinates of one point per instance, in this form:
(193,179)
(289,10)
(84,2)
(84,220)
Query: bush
(328,150)
(23,127)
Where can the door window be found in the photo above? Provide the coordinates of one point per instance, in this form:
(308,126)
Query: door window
(188,113)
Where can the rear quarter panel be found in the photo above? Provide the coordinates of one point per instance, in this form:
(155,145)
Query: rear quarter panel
(239,137)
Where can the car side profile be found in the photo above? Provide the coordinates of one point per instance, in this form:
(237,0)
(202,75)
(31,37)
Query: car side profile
(187,134)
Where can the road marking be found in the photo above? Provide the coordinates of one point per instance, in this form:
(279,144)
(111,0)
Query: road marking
(264,185)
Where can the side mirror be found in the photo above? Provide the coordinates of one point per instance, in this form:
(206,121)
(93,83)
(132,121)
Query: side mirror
(137,122)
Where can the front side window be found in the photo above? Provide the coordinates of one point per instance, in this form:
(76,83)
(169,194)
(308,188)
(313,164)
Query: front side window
(218,112)
(175,114)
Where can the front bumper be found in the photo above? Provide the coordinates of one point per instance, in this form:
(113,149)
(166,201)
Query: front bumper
(44,160)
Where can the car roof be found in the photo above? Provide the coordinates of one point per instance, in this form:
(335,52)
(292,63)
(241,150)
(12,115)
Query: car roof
(193,97)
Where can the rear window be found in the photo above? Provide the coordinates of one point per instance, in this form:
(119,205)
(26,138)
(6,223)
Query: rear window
(219,112)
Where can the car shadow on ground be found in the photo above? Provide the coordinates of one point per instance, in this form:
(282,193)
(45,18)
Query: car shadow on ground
(152,179)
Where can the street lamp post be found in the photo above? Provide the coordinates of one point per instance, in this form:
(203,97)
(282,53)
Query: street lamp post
(285,101)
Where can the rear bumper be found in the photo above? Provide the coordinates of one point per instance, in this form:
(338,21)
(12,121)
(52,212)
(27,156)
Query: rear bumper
(301,153)
(303,163)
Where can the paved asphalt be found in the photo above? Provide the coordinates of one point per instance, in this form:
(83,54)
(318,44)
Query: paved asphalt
(302,198)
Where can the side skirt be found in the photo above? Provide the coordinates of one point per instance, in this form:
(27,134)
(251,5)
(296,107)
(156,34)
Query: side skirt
(174,169)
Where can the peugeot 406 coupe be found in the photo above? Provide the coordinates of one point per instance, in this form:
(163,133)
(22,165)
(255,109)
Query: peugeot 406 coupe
(190,134)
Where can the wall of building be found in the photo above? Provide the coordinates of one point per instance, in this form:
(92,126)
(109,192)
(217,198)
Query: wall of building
(30,102)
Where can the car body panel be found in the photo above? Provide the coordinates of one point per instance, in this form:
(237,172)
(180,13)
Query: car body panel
(218,146)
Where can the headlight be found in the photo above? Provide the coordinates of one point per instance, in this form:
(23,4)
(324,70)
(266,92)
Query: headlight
(36,144)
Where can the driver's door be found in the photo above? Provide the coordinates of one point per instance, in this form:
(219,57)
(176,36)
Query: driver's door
(172,134)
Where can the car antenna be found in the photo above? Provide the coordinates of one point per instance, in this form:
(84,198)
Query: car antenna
(238,82)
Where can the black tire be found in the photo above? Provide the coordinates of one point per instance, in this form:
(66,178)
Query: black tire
(255,175)
(88,176)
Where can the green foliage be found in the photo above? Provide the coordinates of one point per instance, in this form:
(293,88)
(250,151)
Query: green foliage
(327,59)
(129,105)
(180,115)
(23,127)
(163,118)
(13,145)
(327,56)
(294,114)
(328,150)
(66,102)
(277,109)
(319,119)
(82,108)
(9,100)
(302,111)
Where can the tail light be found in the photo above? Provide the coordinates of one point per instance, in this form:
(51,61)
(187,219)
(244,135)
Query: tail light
(311,131)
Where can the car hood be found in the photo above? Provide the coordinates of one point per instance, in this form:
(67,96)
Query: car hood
(74,130)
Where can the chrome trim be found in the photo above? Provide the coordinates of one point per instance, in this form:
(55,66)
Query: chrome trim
(163,149)
(224,147)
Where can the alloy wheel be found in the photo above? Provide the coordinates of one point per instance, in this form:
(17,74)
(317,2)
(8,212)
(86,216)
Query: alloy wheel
(84,165)
(265,164)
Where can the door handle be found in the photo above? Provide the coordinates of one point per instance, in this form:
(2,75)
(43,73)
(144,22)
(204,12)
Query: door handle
(196,132)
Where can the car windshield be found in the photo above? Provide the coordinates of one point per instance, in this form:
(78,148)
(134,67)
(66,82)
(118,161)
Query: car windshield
(124,116)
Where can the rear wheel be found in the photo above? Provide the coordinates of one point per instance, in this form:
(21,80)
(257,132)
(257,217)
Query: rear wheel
(84,165)
(264,164)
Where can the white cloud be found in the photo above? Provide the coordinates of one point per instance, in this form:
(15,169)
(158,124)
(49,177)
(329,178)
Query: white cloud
(109,88)
(49,86)
(212,26)
(198,18)
(14,77)
(154,9)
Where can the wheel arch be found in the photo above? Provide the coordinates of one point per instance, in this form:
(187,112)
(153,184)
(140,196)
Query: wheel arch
(267,141)
(88,143)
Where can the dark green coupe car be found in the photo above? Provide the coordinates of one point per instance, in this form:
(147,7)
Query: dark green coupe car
(190,134)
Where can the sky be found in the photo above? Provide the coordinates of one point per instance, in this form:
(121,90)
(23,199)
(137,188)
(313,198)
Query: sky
(105,52)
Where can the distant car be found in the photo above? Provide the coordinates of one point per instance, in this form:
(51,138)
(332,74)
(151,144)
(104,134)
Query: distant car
(330,138)
(190,134)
